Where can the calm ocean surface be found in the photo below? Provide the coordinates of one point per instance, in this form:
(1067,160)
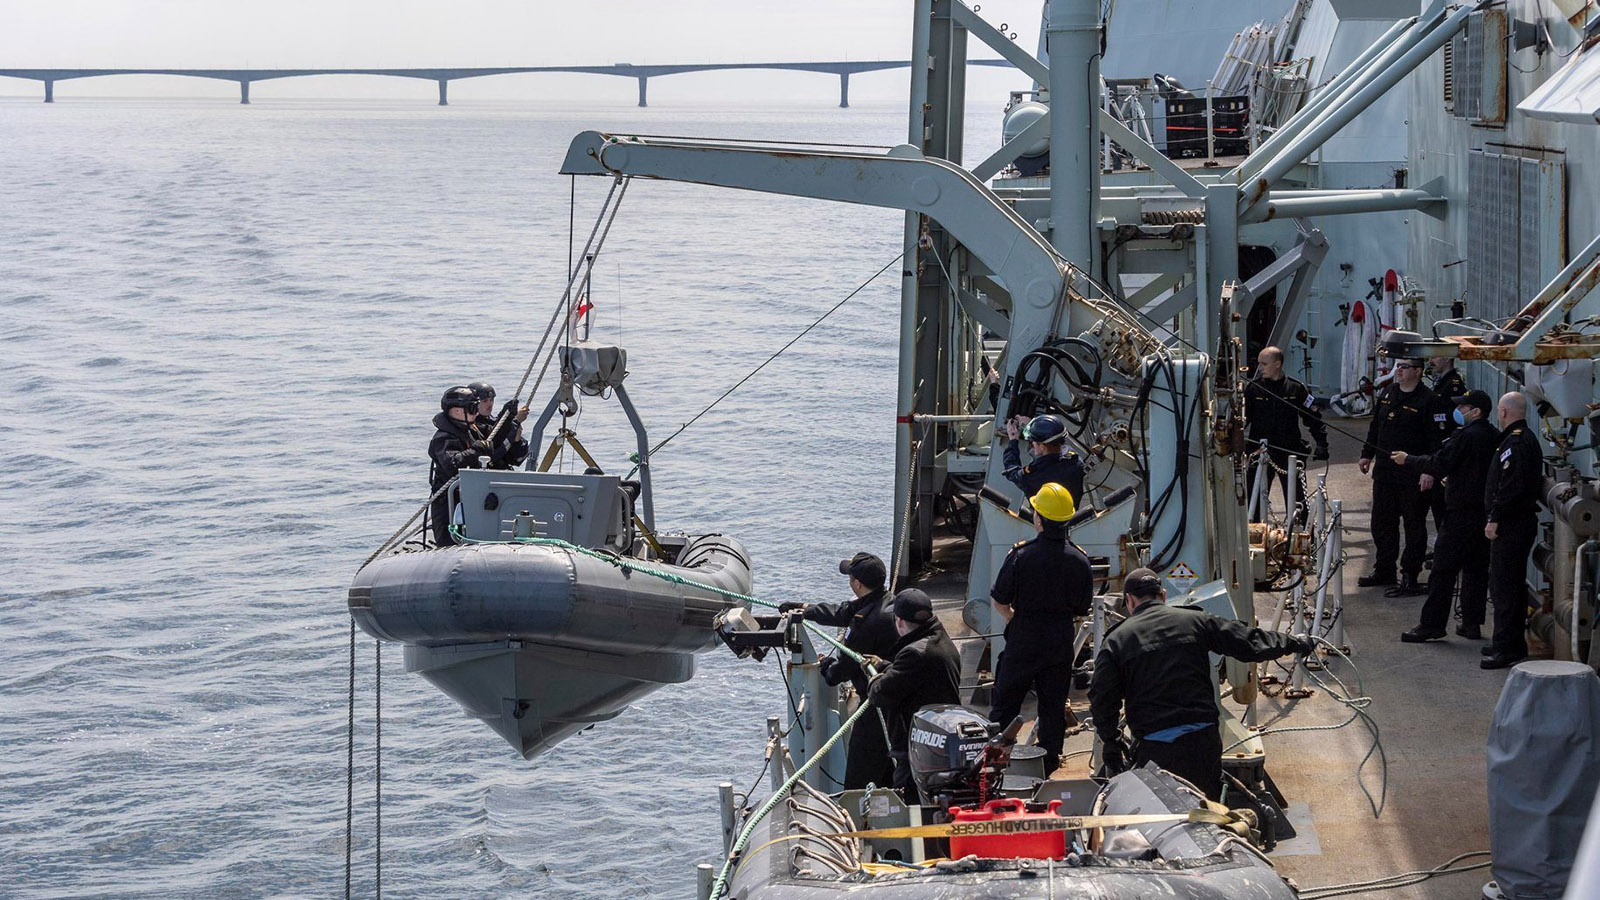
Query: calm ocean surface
(223,331)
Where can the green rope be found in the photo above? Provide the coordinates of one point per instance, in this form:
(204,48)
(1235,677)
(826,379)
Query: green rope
(721,884)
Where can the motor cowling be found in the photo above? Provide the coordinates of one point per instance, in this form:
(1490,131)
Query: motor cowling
(945,742)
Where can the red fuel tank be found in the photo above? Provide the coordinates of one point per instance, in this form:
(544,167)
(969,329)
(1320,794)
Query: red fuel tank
(1021,844)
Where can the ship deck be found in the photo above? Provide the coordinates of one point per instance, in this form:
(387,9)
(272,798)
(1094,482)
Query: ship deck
(1431,702)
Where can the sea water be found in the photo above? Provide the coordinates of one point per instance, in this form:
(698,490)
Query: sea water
(223,333)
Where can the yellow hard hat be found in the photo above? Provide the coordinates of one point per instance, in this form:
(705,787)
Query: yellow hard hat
(1054,502)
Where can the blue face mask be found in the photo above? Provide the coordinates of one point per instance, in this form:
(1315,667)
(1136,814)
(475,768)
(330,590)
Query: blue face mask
(1456,414)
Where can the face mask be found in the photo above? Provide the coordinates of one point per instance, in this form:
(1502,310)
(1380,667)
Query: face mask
(1456,414)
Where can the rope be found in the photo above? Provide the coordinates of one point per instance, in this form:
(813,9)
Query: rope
(350,765)
(377,768)
(572,280)
(1395,881)
(779,352)
(402,529)
(721,884)
(1358,703)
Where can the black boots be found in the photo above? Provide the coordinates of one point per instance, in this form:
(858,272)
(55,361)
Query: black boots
(1420,635)
(1376,578)
(1408,587)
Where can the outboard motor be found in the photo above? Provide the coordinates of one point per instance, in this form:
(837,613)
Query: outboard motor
(945,744)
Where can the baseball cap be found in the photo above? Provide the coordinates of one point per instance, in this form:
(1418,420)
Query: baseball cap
(1142,583)
(913,606)
(1475,398)
(865,568)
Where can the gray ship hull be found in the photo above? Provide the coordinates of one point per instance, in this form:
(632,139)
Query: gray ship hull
(541,641)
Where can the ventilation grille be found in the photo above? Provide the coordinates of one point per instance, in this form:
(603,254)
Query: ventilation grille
(1516,233)
(1475,69)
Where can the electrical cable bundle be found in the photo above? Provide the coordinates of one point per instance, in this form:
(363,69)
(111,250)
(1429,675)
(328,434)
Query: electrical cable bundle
(1032,394)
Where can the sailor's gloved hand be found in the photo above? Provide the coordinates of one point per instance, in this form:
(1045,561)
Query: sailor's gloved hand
(1303,645)
(877,662)
(482,448)
(1321,452)
(791,606)
(1111,759)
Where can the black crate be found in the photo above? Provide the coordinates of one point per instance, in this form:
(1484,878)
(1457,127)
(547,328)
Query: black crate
(1186,126)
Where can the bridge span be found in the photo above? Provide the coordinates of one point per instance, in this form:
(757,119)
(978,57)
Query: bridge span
(443,76)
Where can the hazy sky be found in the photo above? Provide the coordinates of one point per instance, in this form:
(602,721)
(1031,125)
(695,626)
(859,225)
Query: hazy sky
(400,33)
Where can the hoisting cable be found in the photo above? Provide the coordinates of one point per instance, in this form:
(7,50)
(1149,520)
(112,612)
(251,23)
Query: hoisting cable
(608,212)
(602,228)
(777,353)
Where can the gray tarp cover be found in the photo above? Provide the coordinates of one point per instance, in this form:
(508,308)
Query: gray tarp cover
(1544,765)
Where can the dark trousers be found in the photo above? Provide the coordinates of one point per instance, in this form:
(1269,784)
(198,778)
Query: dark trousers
(1441,515)
(439,520)
(1280,475)
(867,759)
(1461,550)
(1048,673)
(1196,758)
(1394,504)
(1508,569)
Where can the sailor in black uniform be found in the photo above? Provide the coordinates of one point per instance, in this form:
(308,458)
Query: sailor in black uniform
(1046,436)
(1042,586)
(1402,420)
(1158,661)
(456,445)
(1275,405)
(508,449)
(924,669)
(1511,499)
(1447,385)
(868,623)
(1462,465)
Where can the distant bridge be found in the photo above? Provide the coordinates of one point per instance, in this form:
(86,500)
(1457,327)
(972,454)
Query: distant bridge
(244,77)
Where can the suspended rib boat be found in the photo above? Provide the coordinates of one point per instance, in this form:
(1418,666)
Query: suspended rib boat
(561,605)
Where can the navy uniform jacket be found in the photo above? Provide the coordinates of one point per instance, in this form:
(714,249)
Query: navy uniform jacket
(1449,386)
(1463,461)
(510,447)
(450,450)
(1401,421)
(1158,660)
(1275,410)
(924,670)
(1046,582)
(1516,476)
(868,624)
(1064,469)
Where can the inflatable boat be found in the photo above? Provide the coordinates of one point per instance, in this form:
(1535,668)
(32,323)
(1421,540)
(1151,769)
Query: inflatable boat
(561,604)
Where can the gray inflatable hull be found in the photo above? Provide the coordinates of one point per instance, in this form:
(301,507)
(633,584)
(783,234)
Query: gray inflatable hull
(1197,862)
(539,641)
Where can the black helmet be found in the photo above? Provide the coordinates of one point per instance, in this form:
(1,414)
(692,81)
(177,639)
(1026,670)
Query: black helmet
(459,397)
(483,389)
(1045,429)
